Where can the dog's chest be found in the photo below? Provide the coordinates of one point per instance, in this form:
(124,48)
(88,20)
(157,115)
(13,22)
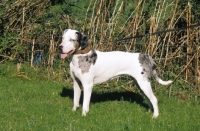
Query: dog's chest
(84,62)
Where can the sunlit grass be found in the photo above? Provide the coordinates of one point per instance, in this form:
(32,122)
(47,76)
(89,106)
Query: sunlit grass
(45,105)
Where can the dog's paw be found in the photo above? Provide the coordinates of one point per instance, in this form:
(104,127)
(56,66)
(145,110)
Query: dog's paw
(155,115)
(84,113)
(74,108)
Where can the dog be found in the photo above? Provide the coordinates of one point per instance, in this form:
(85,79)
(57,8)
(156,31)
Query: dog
(89,67)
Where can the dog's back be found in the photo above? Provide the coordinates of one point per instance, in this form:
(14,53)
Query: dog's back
(111,64)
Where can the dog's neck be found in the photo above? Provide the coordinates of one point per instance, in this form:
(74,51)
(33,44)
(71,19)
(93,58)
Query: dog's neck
(84,51)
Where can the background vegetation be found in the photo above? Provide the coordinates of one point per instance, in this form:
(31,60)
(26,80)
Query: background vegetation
(29,26)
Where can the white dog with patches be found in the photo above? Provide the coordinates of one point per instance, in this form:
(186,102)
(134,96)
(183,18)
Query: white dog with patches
(89,67)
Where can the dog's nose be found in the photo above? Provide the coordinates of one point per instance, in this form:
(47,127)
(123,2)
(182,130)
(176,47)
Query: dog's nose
(60,47)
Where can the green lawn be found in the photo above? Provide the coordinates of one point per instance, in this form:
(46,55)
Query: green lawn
(42,105)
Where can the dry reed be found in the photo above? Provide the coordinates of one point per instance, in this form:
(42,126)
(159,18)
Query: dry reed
(178,51)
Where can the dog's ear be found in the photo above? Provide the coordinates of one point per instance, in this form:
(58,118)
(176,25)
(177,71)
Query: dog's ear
(82,39)
(65,31)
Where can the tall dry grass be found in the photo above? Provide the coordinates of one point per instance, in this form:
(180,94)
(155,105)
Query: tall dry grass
(177,51)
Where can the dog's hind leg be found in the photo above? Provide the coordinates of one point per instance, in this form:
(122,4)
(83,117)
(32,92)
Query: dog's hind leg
(145,86)
(77,94)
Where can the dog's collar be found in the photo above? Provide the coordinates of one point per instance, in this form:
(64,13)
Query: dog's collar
(84,51)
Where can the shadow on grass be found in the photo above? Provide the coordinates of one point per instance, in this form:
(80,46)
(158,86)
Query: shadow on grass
(112,96)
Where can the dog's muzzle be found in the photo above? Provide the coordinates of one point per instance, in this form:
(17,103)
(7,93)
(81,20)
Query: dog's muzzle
(62,54)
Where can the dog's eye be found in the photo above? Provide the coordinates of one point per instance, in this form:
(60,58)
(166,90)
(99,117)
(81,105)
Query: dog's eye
(72,40)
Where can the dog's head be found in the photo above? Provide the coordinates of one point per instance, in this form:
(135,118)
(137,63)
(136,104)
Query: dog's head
(72,40)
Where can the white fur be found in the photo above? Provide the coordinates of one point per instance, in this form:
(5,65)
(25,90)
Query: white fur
(107,66)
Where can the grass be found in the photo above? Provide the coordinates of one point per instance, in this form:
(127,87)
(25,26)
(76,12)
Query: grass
(45,105)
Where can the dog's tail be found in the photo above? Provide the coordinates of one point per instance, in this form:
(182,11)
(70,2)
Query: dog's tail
(158,79)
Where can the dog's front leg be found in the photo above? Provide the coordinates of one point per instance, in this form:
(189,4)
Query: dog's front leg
(87,91)
(77,94)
